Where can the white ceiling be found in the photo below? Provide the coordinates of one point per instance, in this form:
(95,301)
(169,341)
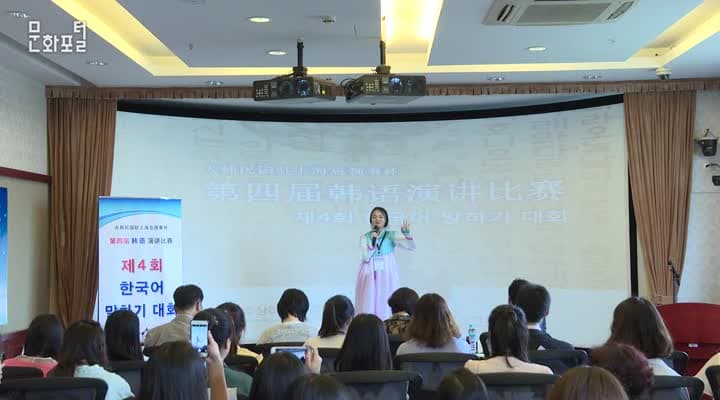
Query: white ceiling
(221,36)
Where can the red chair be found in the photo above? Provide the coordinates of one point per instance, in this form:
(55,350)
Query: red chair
(695,329)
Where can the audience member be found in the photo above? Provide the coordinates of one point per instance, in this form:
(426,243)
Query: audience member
(365,347)
(337,314)
(461,384)
(402,303)
(509,343)
(177,372)
(637,322)
(237,315)
(628,364)
(122,335)
(221,327)
(292,309)
(534,300)
(277,371)
(188,302)
(587,383)
(83,355)
(42,344)
(513,289)
(433,329)
(319,387)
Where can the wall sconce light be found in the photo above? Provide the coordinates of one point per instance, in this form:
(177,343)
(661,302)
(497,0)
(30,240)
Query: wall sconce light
(708,144)
(715,178)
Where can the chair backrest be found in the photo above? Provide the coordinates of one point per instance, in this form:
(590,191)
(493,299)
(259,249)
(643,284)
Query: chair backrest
(676,388)
(329,355)
(131,371)
(379,385)
(695,329)
(246,364)
(13,373)
(55,388)
(432,367)
(517,385)
(558,361)
(713,376)
(264,348)
(485,343)
(678,361)
(395,341)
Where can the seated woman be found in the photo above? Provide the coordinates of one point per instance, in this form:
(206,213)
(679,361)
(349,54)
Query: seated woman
(433,329)
(277,371)
(83,355)
(587,383)
(292,309)
(337,314)
(628,365)
(221,327)
(366,346)
(237,315)
(509,343)
(461,384)
(122,335)
(402,303)
(176,371)
(42,344)
(637,322)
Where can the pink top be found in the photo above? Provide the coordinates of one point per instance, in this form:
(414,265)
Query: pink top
(43,364)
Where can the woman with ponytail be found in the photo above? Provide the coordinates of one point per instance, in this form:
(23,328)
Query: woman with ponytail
(509,343)
(337,314)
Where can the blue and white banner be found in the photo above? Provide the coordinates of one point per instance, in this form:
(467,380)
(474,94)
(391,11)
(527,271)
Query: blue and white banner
(140,257)
(3,255)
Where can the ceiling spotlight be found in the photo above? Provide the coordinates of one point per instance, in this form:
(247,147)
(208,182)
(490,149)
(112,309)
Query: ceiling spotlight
(536,48)
(97,63)
(496,78)
(259,20)
(19,14)
(276,52)
(214,83)
(592,77)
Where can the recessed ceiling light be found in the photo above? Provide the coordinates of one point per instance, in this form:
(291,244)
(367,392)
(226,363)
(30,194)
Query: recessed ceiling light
(259,20)
(276,52)
(97,63)
(496,78)
(536,48)
(592,77)
(19,14)
(214,83)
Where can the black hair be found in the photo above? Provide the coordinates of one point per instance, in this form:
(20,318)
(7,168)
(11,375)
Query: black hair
(338,311)
(219,324)
(44,336)
(122,336)
(508,332)
(382,210)
(293,302)
(365,347)
(513,289)
(319,387)
(274,375)
(84,344)
(174,372)
(237,315)
(461,384)
(403,299)
(534,301)
(186,296)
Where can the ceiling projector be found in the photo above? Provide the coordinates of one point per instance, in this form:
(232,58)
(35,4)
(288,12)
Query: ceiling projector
(296,87)
(384,87)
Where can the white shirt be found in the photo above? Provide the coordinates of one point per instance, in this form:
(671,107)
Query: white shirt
(660,368)
(118,388)
(293,331)
(330,342)
(498,364)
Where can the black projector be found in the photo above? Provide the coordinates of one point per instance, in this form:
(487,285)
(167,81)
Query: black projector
(301,89)
(385,88)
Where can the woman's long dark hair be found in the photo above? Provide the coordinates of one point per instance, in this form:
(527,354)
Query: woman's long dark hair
(44,336)
(174,372)
(84,344)
(274,375)
(237,315)
(508,332)
(338,311)
(366,346)
(122,335)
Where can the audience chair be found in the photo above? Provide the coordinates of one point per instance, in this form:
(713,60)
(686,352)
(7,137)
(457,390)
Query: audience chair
(15,373)
(246,364)
(54,388)
(517,385)
(713,376)
(432,367)
(264,348)
(485,343)
(131,371)
(379,385)
(395,341)
(695,329)
(676,388)
(678,361)
(558,361)
(329,355)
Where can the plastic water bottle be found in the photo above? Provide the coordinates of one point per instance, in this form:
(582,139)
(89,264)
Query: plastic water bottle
(473,339)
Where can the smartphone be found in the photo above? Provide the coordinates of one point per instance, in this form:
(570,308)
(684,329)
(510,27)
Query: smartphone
(297,351)
(198,336)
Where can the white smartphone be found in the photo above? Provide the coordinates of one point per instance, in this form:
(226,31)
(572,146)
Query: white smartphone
(297,351)
(198,336)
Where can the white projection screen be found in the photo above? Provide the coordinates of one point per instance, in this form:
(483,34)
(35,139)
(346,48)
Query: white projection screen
(273,205)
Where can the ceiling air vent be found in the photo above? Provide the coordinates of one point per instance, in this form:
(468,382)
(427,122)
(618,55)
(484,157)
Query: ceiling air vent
(556,12)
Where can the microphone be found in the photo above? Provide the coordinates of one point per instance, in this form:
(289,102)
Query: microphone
(374,239)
